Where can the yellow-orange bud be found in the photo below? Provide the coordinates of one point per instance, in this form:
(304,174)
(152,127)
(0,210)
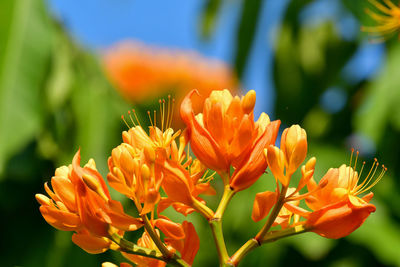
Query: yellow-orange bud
(249,101)
(94,185)
(294,146)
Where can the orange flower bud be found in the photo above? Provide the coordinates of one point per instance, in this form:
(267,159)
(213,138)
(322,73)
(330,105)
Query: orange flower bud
(263,203)
(294,146)
(81,203)
(276,162)
(225,135)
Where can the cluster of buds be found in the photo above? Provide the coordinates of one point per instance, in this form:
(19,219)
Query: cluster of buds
(155,170)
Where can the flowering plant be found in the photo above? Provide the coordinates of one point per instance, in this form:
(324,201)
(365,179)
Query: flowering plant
(155,170)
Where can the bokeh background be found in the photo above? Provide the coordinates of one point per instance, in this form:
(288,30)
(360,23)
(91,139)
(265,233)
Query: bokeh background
(307,60)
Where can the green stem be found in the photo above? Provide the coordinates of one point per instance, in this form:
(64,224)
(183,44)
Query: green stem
(241,252)
(202,209)
(278,206)
(226,198)
(276,235)
(216,228)
(131,248)
(270,237)
(156,239)
(256,241)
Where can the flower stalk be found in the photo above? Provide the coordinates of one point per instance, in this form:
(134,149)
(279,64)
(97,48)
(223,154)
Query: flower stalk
(131,248)
(156,239)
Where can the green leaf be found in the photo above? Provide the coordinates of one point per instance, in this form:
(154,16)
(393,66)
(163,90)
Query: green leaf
(97,108)
(381,100)
(209,17)
(245,33)
(25,39)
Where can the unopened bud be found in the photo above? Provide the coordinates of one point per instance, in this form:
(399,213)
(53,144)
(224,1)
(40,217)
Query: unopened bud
(94,185)
(249,101)
(145,172)
(310,165)
(42,199)
(150,153)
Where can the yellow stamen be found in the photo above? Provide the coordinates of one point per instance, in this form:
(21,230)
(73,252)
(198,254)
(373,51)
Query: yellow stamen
(123,118)
(130,116)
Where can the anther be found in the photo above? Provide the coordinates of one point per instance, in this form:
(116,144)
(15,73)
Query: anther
(123,118)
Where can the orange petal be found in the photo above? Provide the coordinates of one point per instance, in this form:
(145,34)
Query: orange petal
(339,219)
(202,143)
(120,219)
(262,205)
(60,220)
(192,243)
(276,163)
(91,244)
(244,176)
(151,199)
(182,208)
(169,228)
(298,155)
(64,189)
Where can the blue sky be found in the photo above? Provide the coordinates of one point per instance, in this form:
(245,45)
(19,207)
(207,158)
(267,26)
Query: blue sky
(97,24)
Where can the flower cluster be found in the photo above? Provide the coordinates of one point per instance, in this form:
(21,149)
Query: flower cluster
(155,170)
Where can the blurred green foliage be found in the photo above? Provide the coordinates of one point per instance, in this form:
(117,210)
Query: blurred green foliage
(54,98)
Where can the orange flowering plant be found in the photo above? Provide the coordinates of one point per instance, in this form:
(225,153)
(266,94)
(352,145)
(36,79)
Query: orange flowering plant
(155,170)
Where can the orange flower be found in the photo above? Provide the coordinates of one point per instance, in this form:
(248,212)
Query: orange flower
(285,161)
(81,203)
(132,165)
(388,23)
(337,209)
(132,173)
(225,134)
(141,72)
(183,183)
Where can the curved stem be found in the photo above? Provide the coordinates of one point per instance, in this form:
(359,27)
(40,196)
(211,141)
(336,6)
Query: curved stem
(154,236)
(257,240)
(226,198)
(270,237)
(202,209)
(273,215)
(244,250)
(276,235)
(216,226)
(131,248)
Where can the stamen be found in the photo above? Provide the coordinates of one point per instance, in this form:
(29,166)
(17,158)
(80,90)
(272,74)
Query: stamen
(151,121)
(351,156)
(136,117)
(130,116)
(168,111)
(123,118)
(366,180)
(350,185)
(155,119)
(161,116)
(366,184)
